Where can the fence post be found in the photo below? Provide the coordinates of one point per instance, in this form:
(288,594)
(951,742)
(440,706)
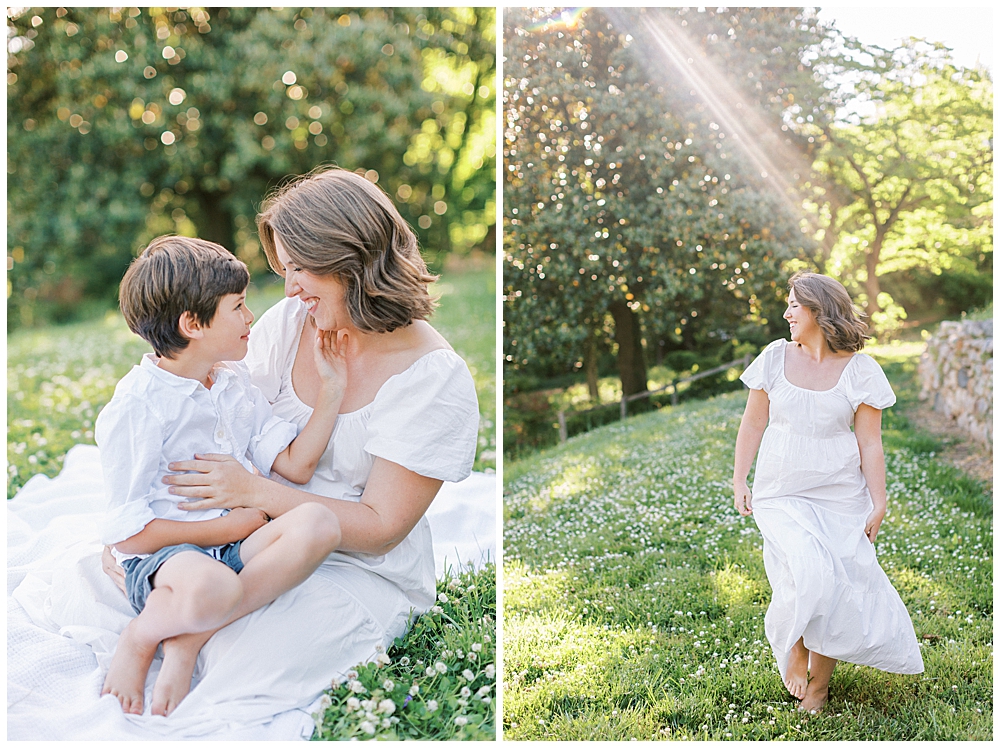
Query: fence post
(562,426)
(624,407)
(673,395)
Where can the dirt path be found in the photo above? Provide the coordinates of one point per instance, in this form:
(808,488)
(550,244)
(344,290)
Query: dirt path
(959,449)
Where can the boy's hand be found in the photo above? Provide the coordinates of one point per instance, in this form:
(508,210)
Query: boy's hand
(244,521)
(330,354)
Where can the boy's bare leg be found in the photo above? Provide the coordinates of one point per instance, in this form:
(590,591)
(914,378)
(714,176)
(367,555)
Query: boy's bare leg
(277,557)
(192,592)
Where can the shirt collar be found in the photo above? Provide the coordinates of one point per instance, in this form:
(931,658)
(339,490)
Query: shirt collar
(220,372)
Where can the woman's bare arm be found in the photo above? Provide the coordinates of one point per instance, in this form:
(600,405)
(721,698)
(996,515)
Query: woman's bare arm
(868,430)
(751,431)
(393,502)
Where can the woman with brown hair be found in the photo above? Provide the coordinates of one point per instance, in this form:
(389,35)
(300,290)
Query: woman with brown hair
(408,421)
(819,494)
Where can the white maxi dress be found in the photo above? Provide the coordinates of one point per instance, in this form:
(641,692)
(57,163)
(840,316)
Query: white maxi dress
(811,501)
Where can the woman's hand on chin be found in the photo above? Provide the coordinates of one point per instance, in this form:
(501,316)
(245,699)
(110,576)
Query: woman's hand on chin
(212,482)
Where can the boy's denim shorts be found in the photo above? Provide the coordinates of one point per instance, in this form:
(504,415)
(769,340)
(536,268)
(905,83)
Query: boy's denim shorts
(139,571)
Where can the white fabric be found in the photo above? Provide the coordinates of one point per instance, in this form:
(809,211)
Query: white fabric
(156,417)
(425,419)
(811,501)
(64,617)
(255,676)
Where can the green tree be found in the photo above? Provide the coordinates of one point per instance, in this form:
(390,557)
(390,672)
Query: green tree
(912,159)
(625,207)
(133,122)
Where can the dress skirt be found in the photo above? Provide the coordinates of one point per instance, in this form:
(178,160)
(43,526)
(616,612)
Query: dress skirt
(828,588)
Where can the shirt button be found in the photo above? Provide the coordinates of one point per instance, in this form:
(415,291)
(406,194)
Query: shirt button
(220,433)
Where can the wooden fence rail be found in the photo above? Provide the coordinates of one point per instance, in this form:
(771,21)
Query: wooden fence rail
(672,386)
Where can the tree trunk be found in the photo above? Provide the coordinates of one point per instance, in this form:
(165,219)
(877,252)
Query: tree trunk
(871,283)
(631,365)
(590,369)
(218,223)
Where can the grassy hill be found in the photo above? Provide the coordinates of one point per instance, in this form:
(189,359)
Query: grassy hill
(634,594)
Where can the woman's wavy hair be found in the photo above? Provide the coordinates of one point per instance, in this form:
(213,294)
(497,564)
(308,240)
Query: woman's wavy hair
(837,316)
(335,222)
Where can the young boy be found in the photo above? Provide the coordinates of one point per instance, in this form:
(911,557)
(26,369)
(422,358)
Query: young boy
(186,297)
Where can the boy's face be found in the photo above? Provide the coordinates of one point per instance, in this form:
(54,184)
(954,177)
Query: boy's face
(229,332)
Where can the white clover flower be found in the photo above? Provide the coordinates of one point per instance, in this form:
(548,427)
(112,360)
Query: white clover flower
(357,687)
(324,702)
(382,659)
(353,703)
(442,598)
(352,674)
(432,706)
(367,727)
(379,647)
(461,721)
(387,706)
(386,722)
(459,654)
(486,699)
(414,689)
(440,667)
(404,660)
(465,692)
(469,675)
(490,671)
(429,672)
(486,638)
(437,609)
(452,584)
(388,685)
(484,690)
(477,647)
(471,657)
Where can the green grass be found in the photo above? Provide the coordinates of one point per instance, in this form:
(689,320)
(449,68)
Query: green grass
(58,379)
(634,593)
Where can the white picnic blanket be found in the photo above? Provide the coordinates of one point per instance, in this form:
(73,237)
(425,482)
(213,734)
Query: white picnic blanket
(64,615)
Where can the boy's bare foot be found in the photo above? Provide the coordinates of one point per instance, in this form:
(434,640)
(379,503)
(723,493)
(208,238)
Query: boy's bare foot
(126,679)
(815,698)
(797,671)
(174,681)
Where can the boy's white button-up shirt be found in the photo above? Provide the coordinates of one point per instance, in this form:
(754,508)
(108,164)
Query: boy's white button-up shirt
(156,418)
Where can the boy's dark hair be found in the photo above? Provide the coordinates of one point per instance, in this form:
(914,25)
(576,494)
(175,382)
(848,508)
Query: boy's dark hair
(173,275)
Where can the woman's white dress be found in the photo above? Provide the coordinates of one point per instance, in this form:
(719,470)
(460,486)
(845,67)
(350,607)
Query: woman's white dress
(265,666)
(811,501)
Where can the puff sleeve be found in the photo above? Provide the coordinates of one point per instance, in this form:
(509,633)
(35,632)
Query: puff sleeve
(869,385)
(759,375)
(427,418)
(130,437)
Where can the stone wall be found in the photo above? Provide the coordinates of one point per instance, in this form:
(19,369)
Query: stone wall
(956,375)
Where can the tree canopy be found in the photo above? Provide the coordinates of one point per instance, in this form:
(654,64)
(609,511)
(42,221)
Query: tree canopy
(127,123)
(666,170)
(627,212)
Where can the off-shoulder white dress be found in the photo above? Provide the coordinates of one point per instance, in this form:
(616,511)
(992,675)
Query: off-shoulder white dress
(811,501)
(282,656)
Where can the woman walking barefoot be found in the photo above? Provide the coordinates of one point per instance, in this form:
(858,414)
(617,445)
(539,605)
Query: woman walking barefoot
(819,495)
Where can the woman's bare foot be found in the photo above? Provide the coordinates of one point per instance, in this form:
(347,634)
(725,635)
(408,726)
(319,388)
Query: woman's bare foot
(815,698)
(126,679)
(174,681)
(797,671)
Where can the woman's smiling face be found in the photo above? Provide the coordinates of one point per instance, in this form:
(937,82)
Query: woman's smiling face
(323,295)
(801,321)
